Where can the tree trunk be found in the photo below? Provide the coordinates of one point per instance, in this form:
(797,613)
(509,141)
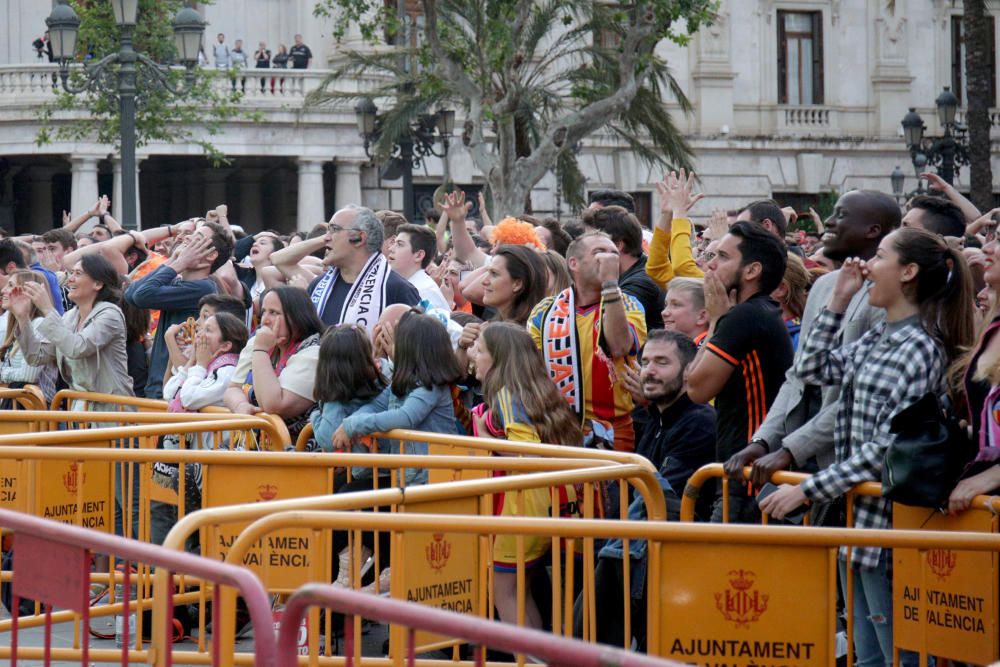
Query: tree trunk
(975,27)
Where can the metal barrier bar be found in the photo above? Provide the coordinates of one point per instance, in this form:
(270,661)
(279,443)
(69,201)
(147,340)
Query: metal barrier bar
(692,491)
(400,497)
(655,532)
(28,397)
(543,646)
(169,563)
(508,447)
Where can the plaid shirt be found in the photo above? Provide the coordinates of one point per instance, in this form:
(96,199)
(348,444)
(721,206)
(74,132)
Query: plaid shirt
(879,378)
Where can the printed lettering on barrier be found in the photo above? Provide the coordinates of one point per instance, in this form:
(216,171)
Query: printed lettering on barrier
(12,492)
(949,597)
(63,487)
(11,495)
(288,558)
(435,475)
(740,605)
(440,569)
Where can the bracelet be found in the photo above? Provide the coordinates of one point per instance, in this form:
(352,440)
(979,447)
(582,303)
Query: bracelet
(609,284)
(257,349)
(614,300)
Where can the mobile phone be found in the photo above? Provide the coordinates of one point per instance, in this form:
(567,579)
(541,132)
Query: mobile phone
(796,516)
(462,275)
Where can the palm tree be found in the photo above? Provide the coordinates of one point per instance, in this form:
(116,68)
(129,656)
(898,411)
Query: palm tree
(976,25)
(534,78)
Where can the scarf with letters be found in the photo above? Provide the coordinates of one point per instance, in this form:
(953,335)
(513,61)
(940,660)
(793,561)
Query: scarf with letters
(366,299)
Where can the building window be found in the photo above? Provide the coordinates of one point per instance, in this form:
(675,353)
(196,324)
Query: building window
(643,208)
(958,60)
(800,57)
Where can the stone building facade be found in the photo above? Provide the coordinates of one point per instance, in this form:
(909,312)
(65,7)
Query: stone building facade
(792,98)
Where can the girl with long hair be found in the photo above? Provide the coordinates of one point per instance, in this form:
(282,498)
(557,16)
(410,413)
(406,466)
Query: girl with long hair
(419,398)
(521,404)
(15,371)
(347,377)
(791,295)
(925,287)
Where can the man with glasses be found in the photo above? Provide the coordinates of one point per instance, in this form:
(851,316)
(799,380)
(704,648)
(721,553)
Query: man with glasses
(357,283)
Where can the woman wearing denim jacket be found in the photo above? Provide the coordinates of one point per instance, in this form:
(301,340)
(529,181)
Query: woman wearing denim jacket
(419,397)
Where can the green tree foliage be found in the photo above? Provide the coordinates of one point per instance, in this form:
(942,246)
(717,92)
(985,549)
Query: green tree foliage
(533,77)
(160,115)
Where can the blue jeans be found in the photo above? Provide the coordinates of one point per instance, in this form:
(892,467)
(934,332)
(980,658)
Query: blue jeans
(873,615)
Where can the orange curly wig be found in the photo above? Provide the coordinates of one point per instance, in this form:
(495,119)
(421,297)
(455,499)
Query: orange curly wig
(516,232)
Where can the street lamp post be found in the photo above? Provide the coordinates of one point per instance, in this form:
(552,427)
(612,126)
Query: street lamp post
(948,152)
(64,24)
(408,151)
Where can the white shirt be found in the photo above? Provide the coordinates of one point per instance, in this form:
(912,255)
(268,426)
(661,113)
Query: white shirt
(429,290)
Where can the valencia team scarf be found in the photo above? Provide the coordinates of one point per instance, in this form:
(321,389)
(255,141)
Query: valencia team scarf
(561,349)
(365,300)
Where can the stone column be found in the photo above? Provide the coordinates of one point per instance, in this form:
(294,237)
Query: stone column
(116,189)
(311,205)
(348,183)
(84,183)
(40,201)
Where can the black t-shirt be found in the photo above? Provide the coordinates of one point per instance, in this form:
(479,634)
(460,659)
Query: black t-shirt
(635,282)
(753,338)
(300,55)
(397,290)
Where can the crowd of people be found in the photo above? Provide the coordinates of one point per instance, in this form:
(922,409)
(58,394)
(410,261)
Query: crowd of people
(738,341)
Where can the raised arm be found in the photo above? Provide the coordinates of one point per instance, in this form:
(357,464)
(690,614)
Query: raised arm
(456,208)
(935,182)
(290,260)
(78,221)
(113,250)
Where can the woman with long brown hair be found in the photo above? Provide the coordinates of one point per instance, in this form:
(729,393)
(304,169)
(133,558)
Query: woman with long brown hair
(522,404)
(926,290)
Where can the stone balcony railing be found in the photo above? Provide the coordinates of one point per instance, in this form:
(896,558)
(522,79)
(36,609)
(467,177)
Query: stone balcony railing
(806,120)
(31,84)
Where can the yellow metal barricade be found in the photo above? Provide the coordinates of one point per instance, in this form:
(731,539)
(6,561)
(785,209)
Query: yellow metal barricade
(717,593)
(944,601)
(85,400)
(28,397)
(453,499)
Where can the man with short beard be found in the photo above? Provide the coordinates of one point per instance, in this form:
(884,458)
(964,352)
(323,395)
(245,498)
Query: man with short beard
(679,440)
(681,435)
(742,363)
(798,431)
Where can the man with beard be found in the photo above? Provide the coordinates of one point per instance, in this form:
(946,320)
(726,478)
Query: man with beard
(743,362)
(799,426)
(680,439)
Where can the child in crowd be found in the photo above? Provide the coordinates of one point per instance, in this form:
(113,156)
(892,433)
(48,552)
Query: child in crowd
(419,397)
(347,377)
(521,404)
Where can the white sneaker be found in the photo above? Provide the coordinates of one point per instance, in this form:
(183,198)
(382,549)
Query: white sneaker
(344,560)
(383,580)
